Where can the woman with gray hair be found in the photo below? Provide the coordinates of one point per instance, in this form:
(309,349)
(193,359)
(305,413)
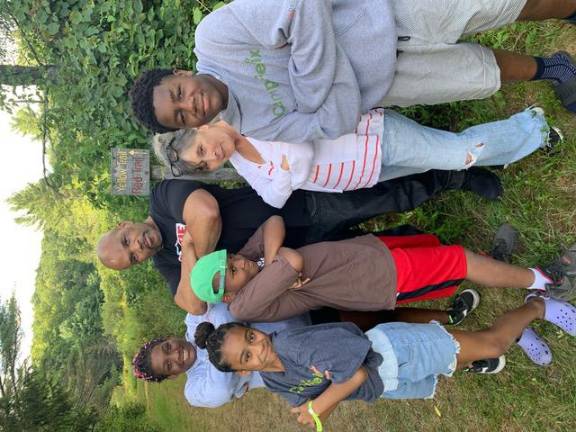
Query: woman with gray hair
(386,145)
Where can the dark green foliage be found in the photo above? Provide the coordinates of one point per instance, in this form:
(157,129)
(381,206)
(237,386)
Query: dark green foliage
(10,340)
(131,417)
(98,49)
(95,50)
(43,405)
(33,399)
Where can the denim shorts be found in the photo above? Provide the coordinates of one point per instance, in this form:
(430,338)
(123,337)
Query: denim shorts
(414,355)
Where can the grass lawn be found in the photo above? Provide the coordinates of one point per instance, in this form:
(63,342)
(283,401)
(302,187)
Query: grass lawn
(539,200)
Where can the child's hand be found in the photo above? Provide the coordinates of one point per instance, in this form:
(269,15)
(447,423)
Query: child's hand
(285,165)
(299,282)
(304,416)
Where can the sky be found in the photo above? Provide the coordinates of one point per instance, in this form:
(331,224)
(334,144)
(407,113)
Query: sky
(20,164)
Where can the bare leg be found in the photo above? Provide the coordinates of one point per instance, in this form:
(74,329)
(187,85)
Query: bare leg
(488,272)
(496,340)
(536,10)
(515,67)
(366,320)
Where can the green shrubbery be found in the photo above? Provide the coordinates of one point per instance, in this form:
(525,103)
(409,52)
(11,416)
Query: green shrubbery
(87,53)
(82,55)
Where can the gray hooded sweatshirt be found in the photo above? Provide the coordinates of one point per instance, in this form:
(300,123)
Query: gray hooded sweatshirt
(299,70)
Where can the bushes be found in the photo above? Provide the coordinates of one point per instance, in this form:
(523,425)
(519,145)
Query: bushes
(128,418)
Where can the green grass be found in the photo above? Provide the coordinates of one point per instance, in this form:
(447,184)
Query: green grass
(540,201)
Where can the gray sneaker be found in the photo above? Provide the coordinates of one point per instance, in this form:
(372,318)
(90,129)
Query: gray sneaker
(504,243)
(563,272)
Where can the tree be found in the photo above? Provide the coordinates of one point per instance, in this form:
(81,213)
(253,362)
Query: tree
(10,341)
(30,399)
(26,122)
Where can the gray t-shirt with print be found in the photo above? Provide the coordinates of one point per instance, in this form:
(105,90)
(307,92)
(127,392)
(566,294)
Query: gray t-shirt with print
(316,356)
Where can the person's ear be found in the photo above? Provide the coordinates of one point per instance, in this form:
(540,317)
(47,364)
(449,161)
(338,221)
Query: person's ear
(243,372)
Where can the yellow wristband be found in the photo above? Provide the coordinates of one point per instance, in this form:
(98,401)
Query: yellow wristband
(317,420)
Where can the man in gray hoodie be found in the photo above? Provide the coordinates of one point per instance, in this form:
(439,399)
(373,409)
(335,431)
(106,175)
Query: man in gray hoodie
(299,70)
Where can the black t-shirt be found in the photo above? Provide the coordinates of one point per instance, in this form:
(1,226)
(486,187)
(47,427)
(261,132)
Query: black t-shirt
(242,212)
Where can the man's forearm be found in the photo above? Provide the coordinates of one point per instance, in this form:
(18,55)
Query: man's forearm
(205,232)
(185,297)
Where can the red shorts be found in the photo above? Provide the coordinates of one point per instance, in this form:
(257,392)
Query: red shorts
(425,269)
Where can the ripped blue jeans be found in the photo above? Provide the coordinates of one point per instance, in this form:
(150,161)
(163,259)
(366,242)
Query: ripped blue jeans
(410,148)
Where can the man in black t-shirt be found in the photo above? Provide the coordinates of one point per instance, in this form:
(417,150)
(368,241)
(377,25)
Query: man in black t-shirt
(189,219)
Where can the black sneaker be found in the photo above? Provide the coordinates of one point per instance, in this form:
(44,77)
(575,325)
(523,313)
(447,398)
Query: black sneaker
(504,243)
(487,366)
(482,182)
(462,305)
(555,137)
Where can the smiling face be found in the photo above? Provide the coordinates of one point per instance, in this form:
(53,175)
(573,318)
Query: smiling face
(172,357)
(185,100)
(129,244)
(239,271)
(209,148)
(248,349)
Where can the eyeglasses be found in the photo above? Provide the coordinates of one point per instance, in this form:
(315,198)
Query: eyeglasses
(173,158)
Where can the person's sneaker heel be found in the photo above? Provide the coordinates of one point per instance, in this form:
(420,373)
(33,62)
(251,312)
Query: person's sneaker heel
(462,305)
(488,366)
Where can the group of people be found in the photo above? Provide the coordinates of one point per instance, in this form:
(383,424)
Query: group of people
(282,290)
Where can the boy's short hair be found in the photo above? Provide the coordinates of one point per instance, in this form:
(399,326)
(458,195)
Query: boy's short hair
(142,98)
(203,273)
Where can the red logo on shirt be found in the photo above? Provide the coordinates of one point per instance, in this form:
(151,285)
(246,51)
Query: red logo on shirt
(180,231)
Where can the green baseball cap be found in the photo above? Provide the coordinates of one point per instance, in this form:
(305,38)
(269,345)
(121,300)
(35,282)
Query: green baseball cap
(203,273)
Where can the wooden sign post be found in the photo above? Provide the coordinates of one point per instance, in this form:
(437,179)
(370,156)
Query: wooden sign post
(130,171)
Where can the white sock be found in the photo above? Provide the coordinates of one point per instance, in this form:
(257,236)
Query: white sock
(540,280)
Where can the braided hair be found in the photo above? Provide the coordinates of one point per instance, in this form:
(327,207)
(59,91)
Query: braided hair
(141,95)
(209,338)
(142,362)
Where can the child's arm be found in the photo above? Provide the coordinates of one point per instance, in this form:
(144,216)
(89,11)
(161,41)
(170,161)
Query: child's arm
(293,257)
(324,404)
(274,191)
(273,234)
(282,176)
(263,299)
(296,261)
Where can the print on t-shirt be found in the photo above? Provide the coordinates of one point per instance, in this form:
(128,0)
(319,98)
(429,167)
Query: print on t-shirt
(180,231)
(317,378)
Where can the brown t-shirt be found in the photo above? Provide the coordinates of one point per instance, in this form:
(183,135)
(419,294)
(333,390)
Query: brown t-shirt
(356,274)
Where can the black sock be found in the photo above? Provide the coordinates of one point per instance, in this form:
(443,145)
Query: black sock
(557,68)
(571,18)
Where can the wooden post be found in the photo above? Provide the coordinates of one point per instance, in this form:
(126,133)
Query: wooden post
(131,173)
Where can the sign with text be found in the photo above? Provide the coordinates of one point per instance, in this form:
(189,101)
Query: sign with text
(130,171)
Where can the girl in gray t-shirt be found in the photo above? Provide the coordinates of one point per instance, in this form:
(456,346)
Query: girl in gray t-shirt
(316,367)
